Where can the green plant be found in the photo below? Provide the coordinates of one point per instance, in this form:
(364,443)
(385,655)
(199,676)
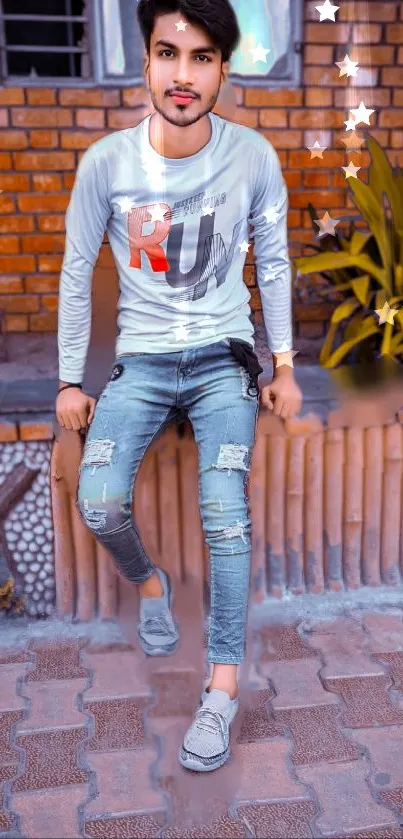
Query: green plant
(365,267)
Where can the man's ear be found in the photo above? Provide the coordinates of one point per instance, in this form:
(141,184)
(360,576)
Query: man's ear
(146,66)
(225,71)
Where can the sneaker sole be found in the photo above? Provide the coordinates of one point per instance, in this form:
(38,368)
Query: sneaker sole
(151,650)
(190,762)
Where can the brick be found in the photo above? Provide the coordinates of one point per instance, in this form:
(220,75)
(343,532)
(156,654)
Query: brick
(41,96)
(79,139)
(391,119)
(301,159)
(51,117)
(3,118)
(370,54)
(62,769)
(396,139)
(17,224)
(15,323)
(357,11)
(50,812)
(36,430)
(327,33)
(50,302)
(330,77)
(44,139)
(367,33)
(317,179)
(116,791)
(247,116)
(38,284)
(316,119)
(21,303)
(90,117)
(14,183)
(12,96)
(285,139)
(43,322)
(314,54)
(5,161)
(11,285)
(46,183)
(43,244)
(51,224)
(27,161)
(264,774)
(7,204)
(323,198)
(310,330)
(53,705)
(351,98)
(297,683)
(34,203)
(394,33)
(338,787)
(318,98)
(273,117)
(9,675)
(134,97)
(49,263)
(13,140)
(77,97)
(260,98)
(398,98)
(124,118)
(292,179)
(9,244)
(392,76)
(116,674)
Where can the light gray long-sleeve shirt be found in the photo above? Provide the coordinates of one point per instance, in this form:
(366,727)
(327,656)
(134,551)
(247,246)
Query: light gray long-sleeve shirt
(179,231)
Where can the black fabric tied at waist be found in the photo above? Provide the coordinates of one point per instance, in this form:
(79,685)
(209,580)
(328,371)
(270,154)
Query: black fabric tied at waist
(246,356)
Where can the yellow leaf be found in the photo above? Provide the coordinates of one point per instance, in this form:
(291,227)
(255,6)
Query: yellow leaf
(360,288)
(344,309)
(358,242)
(341,351)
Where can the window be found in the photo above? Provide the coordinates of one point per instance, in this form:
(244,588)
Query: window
(98,42)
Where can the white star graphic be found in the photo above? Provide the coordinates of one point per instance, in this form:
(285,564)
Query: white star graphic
(362,114)
(386,313)
(351,170)
(208,211)
(244,246)
(181,26)
(181,332)
(327,11)
(347,67)
(286,358)
(350,124)
(125,205)
(154,169)
(271,215)
(327,225)
(317,150)
(259,53)
(157,213)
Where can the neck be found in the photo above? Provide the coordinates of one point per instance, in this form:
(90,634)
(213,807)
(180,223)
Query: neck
(173,141)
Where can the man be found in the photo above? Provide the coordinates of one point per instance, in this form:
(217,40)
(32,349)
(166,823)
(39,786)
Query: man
(177,195)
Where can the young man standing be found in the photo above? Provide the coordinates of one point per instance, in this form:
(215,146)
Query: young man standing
(177,195)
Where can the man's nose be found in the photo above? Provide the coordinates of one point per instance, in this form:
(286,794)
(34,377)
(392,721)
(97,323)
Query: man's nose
(183,74)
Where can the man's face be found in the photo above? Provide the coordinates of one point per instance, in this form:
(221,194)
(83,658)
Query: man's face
(183,61)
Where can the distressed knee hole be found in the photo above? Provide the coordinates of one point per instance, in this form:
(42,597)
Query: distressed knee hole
(98,452)
(94,517)
(232,456)
(236,530)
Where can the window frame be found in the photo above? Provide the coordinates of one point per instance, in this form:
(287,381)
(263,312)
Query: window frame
(99,79)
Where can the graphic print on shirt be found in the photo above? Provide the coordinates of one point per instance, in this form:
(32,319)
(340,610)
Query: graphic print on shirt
(212,259)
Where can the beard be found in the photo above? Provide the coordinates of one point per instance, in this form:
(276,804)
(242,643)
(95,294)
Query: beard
(180,116)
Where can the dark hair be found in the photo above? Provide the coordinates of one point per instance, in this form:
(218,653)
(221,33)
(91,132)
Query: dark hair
(217,17)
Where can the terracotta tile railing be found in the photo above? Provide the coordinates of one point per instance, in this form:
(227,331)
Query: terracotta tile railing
(325,504)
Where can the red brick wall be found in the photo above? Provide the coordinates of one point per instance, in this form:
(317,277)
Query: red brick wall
(44,133)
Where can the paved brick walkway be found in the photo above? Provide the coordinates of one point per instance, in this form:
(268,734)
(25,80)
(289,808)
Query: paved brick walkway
(89,736)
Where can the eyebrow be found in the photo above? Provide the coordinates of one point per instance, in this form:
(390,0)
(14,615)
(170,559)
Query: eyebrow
(162,43)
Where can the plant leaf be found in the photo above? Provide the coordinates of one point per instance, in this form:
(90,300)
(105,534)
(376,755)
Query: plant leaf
(341,351)
(358,242)
(345,309)
(360,288)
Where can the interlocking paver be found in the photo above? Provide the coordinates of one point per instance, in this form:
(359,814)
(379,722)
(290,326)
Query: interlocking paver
(264,773)
(342,644)
(345,798)
(51,759)
(385,746)
(385,631)
(9,756)
(317,735)
(283,642)
(54,705)
(9,699)
(297,684)
(123,783)
(258,718)
(367,701)
(119,724)
(116,673)
(57,659)
(50,812)
(291,820)
(141,826)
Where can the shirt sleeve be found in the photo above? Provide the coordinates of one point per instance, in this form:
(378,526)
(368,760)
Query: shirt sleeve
(86,219)
(268,218)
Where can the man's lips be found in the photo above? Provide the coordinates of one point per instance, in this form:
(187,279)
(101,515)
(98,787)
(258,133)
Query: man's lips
(182,97)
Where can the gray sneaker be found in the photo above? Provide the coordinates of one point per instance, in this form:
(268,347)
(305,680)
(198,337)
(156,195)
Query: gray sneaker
(157,630)
(206,744)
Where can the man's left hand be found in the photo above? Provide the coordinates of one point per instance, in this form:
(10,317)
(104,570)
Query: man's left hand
(283,396)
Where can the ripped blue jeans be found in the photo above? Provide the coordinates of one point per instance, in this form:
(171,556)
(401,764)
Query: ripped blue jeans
(144,393)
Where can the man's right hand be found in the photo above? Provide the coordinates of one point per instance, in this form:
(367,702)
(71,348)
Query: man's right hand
(74,409)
